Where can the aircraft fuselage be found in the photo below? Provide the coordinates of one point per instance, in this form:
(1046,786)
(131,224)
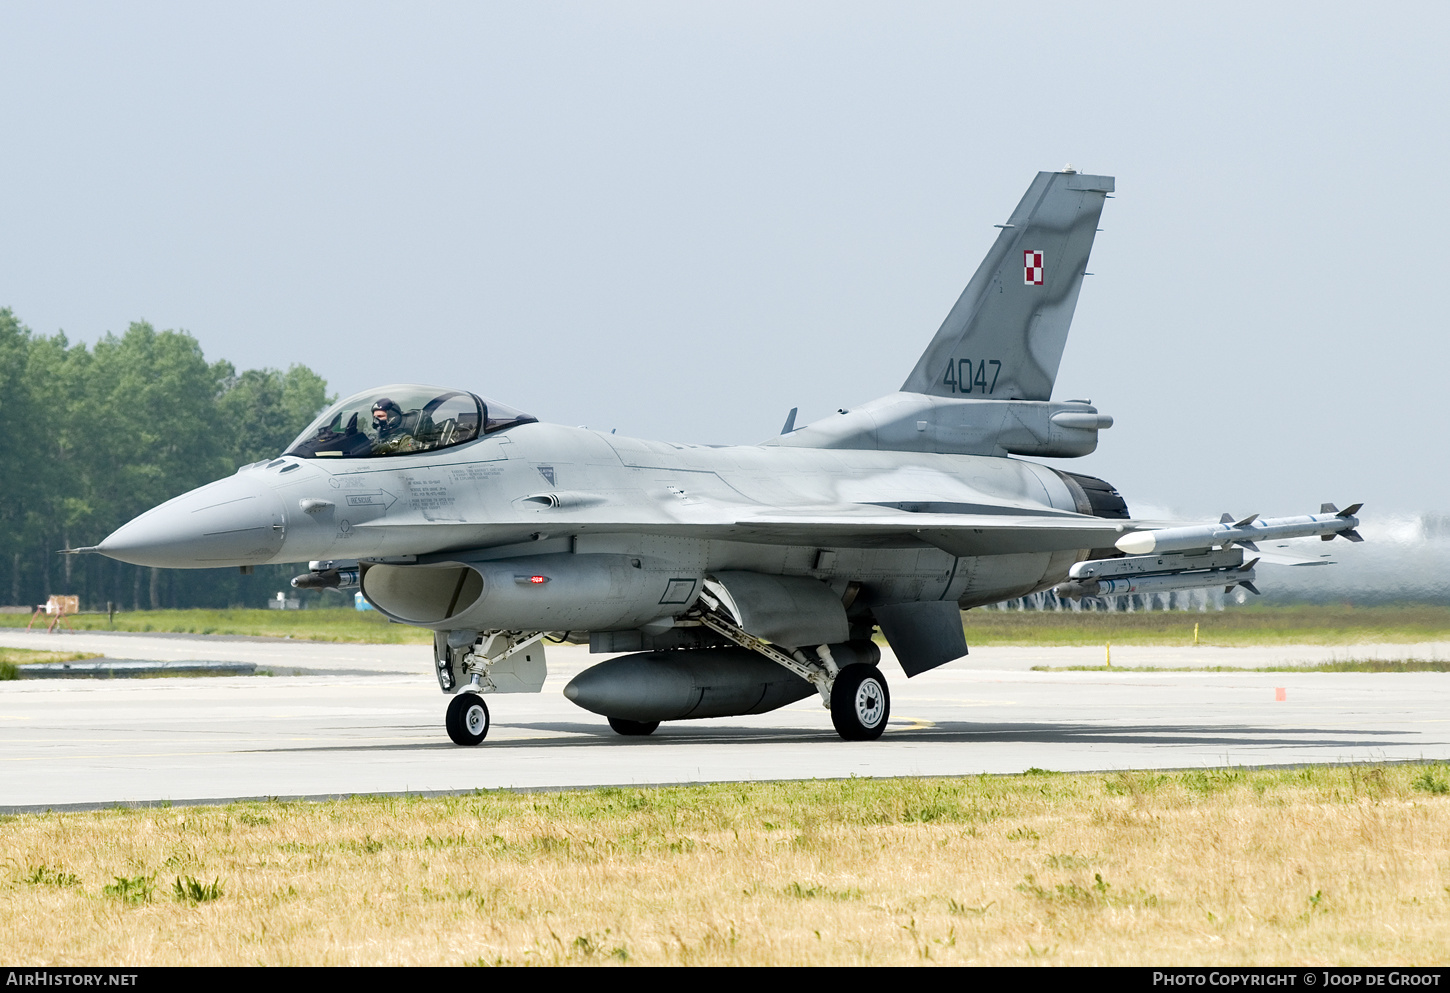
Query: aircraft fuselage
(539,489)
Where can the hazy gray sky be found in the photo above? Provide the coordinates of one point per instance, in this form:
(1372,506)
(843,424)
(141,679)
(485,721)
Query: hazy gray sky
(680,220)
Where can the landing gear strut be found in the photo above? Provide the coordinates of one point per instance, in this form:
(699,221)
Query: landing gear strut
(483,660)
(856,695)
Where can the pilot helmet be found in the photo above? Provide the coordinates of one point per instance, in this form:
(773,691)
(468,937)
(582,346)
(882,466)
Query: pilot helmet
(387,415)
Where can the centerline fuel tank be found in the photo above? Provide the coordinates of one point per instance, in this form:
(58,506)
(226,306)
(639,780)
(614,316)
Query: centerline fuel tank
(695,683)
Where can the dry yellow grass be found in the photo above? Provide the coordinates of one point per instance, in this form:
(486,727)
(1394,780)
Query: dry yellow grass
(1315,866)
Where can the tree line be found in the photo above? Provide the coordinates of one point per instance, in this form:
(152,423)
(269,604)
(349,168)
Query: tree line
(93,436)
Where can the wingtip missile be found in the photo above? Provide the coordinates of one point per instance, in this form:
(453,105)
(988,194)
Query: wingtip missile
(1245,532)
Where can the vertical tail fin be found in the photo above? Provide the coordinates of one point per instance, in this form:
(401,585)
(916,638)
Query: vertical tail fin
(1004,338)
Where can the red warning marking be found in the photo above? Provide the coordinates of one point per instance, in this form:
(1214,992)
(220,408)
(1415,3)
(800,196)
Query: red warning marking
(1279,693)
(1032,268)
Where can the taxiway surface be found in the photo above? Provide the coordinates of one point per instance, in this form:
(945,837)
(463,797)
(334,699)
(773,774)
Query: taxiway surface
(368,719)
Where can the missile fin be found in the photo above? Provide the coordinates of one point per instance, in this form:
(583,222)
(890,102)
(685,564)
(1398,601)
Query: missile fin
(1328,508)
(1251,588)
(1246,521)
(1249,545)
(1249,564)
(1350,511)
(1226,518)
(1326,537)
(1351,534)
(790,421)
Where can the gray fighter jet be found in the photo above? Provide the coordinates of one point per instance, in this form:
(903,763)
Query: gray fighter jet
(739,579)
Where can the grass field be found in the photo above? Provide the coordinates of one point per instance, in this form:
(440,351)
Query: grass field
(1344,865)
(1239,626)
(1345,665)
(12,657)
(1235,627)
(317,625)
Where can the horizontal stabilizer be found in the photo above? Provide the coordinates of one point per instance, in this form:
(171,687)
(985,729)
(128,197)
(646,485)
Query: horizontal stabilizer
(1281,555)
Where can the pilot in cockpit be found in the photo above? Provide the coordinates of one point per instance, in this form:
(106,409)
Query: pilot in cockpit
(393,433)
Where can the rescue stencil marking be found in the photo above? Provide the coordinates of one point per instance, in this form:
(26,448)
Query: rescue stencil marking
(1032,268)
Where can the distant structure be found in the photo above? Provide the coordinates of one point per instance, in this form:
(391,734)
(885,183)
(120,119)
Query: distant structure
(57,607)
(1200,600)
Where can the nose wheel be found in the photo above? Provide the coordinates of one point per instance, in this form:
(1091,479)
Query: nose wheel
(467,719)
(860,703)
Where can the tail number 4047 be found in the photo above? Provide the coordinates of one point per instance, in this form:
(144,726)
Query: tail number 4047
(965,376)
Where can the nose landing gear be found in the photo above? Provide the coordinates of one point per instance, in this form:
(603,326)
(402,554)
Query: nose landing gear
(467,719)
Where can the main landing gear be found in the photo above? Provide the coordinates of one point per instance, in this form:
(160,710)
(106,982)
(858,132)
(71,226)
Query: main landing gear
(860,703)
(856,695)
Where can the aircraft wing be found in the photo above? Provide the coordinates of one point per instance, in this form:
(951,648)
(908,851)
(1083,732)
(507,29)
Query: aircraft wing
(838,526)
(959,534)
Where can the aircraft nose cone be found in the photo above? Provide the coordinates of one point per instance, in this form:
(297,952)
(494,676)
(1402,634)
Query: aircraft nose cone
(234,521)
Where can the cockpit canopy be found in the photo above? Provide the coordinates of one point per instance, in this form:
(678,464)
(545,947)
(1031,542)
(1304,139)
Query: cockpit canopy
(402,420)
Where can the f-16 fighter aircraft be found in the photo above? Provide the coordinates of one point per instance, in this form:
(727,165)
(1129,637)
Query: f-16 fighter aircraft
(739,579)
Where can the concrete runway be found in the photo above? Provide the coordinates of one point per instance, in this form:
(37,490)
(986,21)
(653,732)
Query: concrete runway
(368,719)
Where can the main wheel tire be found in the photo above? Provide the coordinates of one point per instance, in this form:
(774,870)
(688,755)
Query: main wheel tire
(860,703)
(467,720)
(622,726)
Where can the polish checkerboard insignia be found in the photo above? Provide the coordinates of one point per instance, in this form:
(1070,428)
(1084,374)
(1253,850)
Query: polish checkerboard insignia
(1032,268)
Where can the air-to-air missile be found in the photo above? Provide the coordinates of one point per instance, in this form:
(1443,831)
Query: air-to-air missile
(1326,524)
(1158,574)
(1202,555)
